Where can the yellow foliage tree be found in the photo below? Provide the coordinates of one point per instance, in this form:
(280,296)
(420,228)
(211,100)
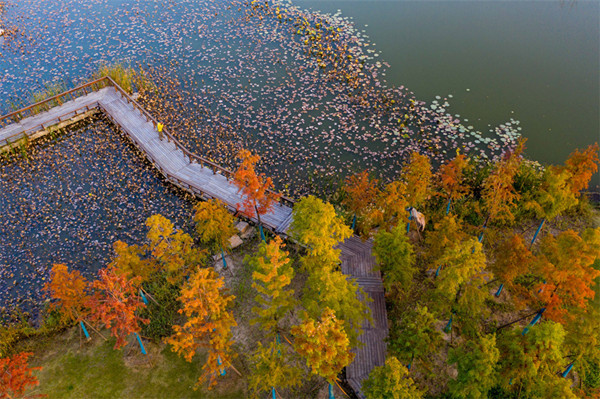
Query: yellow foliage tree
(417,175)
(214,223)
(172,249)
(498,192)
(316,225)
(273,272)
(324,345)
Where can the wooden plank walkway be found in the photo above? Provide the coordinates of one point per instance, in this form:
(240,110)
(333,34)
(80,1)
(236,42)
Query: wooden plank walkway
(183,171)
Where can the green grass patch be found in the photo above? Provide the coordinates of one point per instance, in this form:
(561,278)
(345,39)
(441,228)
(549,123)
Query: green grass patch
(96,370)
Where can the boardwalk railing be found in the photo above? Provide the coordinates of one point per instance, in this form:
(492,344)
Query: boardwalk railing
(50,102)
(95,85)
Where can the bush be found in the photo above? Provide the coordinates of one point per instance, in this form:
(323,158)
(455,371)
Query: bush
(164,312)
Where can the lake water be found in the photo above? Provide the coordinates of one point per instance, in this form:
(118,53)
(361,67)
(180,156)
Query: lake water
(535,61)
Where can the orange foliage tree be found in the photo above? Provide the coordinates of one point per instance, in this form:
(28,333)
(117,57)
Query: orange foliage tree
(323,344)
(255,189)
(451,178)
(115,303)
(209,322)
(16,376)
(69,289)
(582,165)
(391,205)
(566,263)
(512,259)
(361,194)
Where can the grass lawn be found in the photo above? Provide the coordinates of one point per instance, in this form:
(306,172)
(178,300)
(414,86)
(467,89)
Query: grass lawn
(96,370)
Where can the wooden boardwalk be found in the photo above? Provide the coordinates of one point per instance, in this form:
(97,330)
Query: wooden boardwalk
(194,175)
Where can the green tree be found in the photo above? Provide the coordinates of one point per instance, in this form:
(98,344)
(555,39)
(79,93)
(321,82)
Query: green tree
(273,366)
(532,361)
(333,290)
(316,226)
(554,196)
(476,363)
(395,257)
(415,335)
(390,381)
(273,272)
(463,262)
(214,224)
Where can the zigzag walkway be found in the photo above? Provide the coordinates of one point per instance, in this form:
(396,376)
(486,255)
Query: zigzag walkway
(207,181)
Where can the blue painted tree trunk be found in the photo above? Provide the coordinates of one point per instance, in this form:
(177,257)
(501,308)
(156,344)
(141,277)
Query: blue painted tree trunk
(535,319)
(331,392)
(565,373)
(537,231)
(273,393)
(262,233)
(141,344)
(85,332)
(408,224)
(437,272)
(143,297)
(448,206)
(449,325)
(223,372)
(354,222)
(499,290)
(223,257)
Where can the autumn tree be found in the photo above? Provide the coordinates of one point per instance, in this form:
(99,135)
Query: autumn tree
(582,341)
(395,257)
(16,376)
(115,303)
(512,258)
(582,165)
(460,287)
(463,261)
(273,366)
(554,196)
(498,193)
(316,225)
(414,336)
(565,263)
(209,322)
(272,274)
(324,345)
(531,362)
(447,232)
(391,205)
(70,292)
(452,180)
(171,249)
(333,290)
(130,260)
(255,188)
(214,224)
(417,175)
(476,363)
(361,194)
(390,381)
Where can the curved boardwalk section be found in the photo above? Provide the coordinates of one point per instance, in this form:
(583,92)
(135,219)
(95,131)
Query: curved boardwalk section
(207,181)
